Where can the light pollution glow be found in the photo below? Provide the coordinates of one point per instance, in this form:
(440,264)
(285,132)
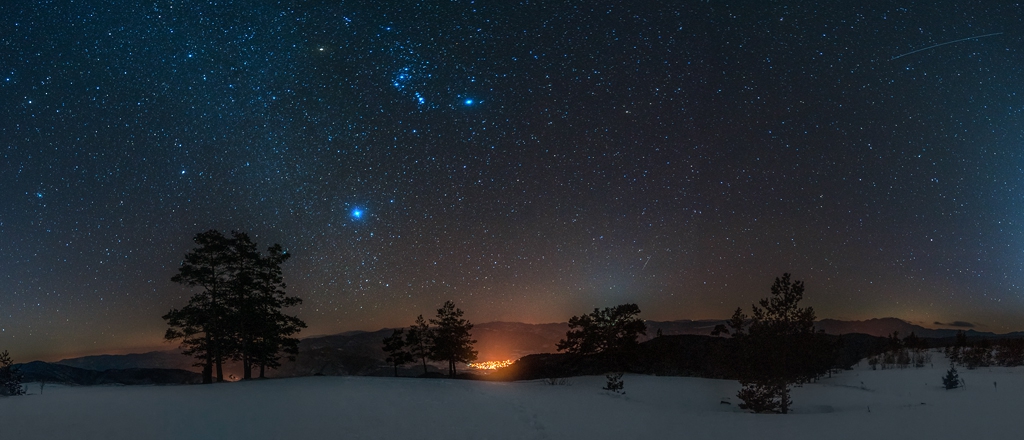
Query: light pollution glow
(490,365)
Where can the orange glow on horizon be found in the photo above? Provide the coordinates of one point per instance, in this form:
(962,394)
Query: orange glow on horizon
(490,365)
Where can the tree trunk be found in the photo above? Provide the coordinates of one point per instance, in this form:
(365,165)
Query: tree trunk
(396,370)
(246,358)
(785,398)
(212,346)
(424,366)
(262,371)
(208,366)
(208,371)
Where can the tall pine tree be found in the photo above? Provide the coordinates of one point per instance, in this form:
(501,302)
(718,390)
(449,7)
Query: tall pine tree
(262,332)
(419,341)
(778,346)
(394,346)
(452,342)
(238,314)
(245,316)
(202,325)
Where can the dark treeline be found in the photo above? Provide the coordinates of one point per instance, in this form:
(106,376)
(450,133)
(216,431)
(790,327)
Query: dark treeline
(962,350)
(983,352)
(678,355)
(769,351)
(901,353)
(713,357)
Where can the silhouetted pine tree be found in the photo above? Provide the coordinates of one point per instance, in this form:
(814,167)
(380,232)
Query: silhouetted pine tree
(260,331)
(872,360)
(776,343)
(960,344)
(418,340)
(394,346)
(821,355)
(243,315)
(952,379)
(978,355)
(202,325)
(612,331)
(614,383)
(764,396)
(918,349)
(238,314)
(274,342)
(10,378)
(451,341)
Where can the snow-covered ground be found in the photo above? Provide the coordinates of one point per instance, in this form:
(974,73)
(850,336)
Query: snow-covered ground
(859,404)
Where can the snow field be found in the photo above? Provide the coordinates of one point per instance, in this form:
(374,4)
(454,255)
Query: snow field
(856,404)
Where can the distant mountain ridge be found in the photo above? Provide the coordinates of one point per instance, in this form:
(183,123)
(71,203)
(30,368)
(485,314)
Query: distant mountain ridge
(39,371)
(153,359)
(361,352)
(886,326)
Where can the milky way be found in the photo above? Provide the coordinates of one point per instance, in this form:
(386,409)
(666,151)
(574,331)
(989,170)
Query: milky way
(529,160)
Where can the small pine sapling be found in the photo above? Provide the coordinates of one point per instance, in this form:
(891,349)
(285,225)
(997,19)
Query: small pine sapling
(10,379)
(762,397)
(952,379)
(614,383)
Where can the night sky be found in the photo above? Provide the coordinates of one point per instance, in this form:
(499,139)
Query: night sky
(529,160)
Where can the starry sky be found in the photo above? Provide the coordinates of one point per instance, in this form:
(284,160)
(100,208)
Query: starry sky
(529,160)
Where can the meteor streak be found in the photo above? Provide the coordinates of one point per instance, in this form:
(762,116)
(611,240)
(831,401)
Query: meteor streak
(976,37)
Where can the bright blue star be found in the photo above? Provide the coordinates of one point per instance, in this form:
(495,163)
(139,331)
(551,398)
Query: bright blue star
(468,102)
(357,213)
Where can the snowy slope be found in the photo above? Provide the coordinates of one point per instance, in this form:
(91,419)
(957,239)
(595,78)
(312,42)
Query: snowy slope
(860,404)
